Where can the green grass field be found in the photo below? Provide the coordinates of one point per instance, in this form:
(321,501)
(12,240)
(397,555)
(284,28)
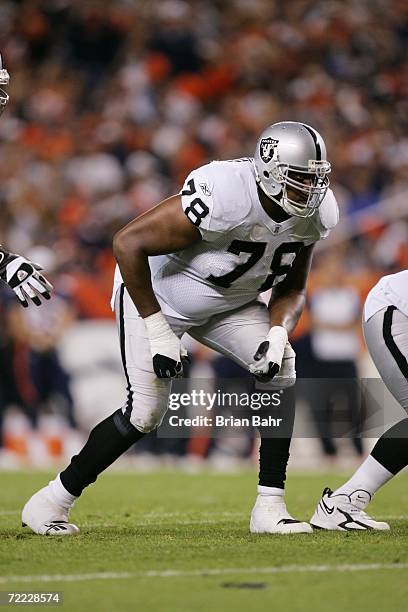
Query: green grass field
(171,541)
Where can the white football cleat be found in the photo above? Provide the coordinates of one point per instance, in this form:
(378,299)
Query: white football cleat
(44,517)
(345,512)
(269,515)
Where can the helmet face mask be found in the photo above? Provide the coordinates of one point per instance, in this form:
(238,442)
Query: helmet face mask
(291,167)
(4,80)
(301,196)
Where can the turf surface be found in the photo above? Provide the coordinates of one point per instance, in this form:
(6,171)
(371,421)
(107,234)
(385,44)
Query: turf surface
(141,525)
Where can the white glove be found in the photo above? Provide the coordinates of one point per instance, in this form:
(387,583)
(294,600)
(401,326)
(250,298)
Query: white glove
(24,277)
(167,351)
(286,377)
(269,355)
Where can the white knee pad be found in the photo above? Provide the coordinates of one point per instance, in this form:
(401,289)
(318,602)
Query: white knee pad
(149,404)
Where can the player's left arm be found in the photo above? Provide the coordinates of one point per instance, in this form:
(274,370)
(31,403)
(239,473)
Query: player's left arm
(288,300)
(285,307)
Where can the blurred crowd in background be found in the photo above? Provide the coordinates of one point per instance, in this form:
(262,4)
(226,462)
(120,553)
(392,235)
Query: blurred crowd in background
(113,103)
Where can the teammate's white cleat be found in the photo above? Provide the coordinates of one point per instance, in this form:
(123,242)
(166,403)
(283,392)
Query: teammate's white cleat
(269,515)
(345,512)
(44,517)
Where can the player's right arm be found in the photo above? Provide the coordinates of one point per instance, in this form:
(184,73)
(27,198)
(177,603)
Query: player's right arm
(163,229)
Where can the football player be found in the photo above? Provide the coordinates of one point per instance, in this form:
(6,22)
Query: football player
(385,325)
(22,275)
(197,263)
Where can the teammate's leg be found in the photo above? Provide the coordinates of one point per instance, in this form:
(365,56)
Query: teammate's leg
(386,335)
(237,335)
(146,403)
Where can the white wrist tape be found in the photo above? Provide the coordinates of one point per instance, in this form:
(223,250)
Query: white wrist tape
(278,337)
(163,340)
(157,325)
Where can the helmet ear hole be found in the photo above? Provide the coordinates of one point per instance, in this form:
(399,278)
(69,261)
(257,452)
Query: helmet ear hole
(266,174)
(271,188)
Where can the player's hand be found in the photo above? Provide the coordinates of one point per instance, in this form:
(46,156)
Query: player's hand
(168,353)
(286,377)
(269,355)
(24,277)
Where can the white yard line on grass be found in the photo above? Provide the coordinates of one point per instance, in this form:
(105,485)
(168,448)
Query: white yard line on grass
(285,569)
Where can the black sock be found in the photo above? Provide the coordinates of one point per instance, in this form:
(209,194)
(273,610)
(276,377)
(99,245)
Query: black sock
(273,459)
(106,442)
(391,450)
(274,451)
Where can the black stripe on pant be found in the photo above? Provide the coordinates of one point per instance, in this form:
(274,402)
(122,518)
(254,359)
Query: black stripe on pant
(122,338)
(399,358)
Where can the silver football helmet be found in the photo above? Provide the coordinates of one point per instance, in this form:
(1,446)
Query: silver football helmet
(291,167)
(4,80)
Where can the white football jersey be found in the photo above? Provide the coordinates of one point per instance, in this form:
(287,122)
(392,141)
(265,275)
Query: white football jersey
(243,252)
(391,290)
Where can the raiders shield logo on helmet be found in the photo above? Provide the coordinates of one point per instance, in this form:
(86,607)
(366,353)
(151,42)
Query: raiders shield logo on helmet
(267,149)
